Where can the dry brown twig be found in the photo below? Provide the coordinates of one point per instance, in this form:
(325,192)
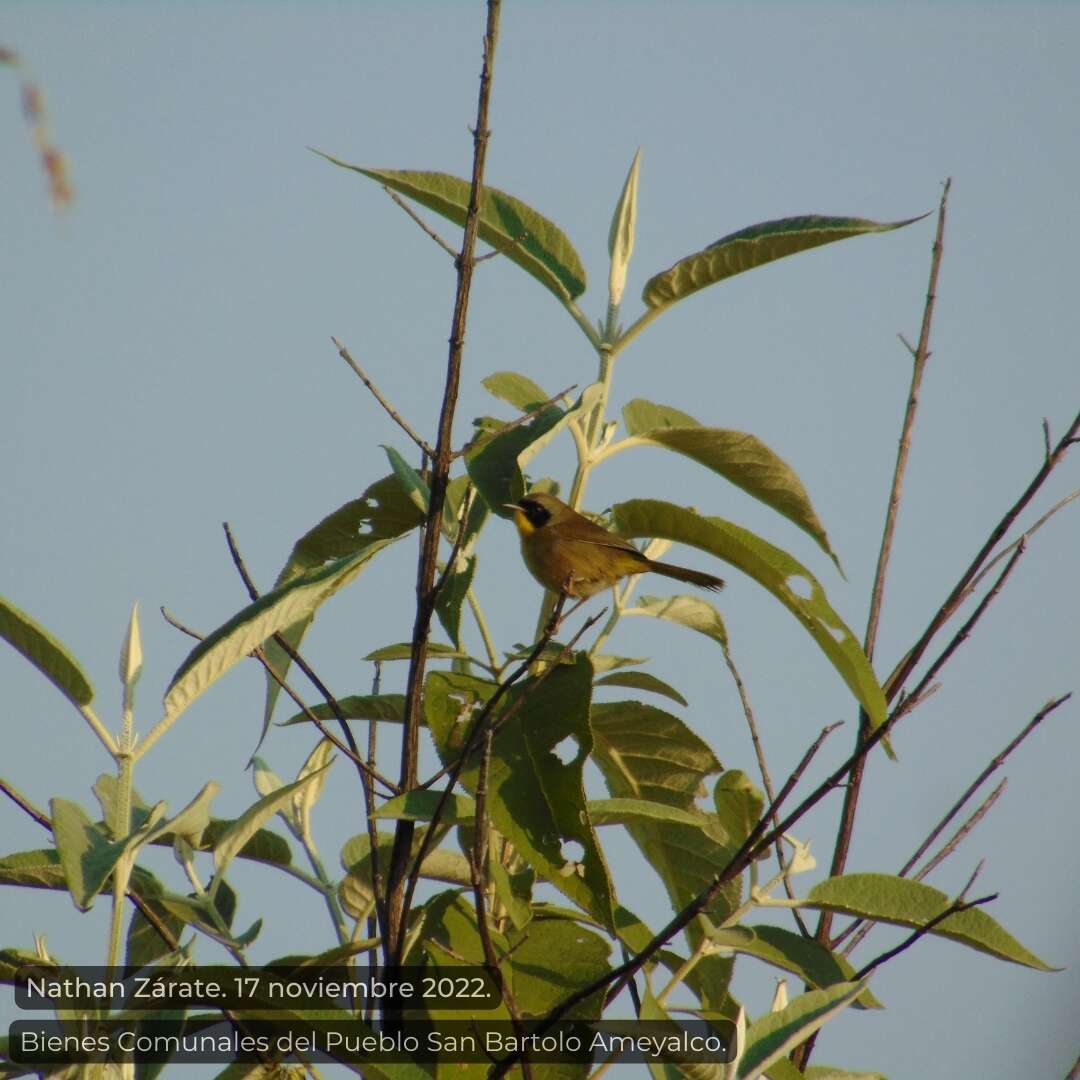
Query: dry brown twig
(400,883)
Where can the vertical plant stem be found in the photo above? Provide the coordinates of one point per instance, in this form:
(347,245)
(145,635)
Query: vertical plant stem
(396,917)
(921,354)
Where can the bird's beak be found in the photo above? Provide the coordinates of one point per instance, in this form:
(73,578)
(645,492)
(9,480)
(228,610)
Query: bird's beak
(512,507)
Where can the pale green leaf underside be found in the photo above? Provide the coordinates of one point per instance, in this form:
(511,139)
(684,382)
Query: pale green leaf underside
(383,512)
(752,247)
(806,958)
(749,464)
(775,1034)
(785,577)
(510,226)
(690,611)
(890,899)
(252,820)
(517,390)
(642,680)
(290,603)
(45,653)
(641,416)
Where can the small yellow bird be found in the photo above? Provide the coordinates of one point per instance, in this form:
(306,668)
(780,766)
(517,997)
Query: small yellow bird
(564,550)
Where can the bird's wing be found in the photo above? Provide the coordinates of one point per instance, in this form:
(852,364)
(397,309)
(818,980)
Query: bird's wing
(603,538)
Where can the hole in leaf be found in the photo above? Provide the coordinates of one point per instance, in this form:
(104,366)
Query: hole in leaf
(800,586)
(567,749)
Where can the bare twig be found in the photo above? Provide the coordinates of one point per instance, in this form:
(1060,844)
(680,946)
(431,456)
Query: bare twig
(958,905)
(398,876)
(259,655)
(424,226)
(899,676)
(960,636)
(390,410)
(862,927)
(20,800)
(763,768)
(979,780)
(920,355)
(524,418)
(173,621)
(957,837)
(1026,535)
(238,562)
(974,786)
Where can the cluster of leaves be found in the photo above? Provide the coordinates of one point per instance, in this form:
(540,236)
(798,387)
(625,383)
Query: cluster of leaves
(542,827)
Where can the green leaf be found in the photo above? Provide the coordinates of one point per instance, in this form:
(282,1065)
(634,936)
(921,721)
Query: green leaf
(245,827)
(832,1072)
(383,512)
(751,247)
(641,416)
(86,853)
(496,464)
(812,962)
(403,651)
(539,984)
(642,680)
(517,390)
(524,236)
(263,846)
(886,898)
(775,1034)
(674,1065)
(389,707)
(414,484)
(286,605)
(749,464)
(453,595)
(45,653)
(621,233)
(39,869)
(536,800)
(623,811)
(690,611)
(772,568)
(305,797)
(420,804)
(646,753)
(739,805)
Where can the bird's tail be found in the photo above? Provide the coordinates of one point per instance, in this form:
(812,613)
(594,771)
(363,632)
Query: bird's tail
(681,573)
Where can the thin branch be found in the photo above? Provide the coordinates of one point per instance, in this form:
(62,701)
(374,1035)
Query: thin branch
(862,927)
(483,440)
(957,837)
(960,636)
(995,763)
(391,411)
(899,676)
(958,905)
(1026,535)
(398,878)
(920,355)
(173,621)
(238,562)
(763,768)
(423,225)
(25,804)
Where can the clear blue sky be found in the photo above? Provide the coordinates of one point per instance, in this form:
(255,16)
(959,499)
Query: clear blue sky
(167,366)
